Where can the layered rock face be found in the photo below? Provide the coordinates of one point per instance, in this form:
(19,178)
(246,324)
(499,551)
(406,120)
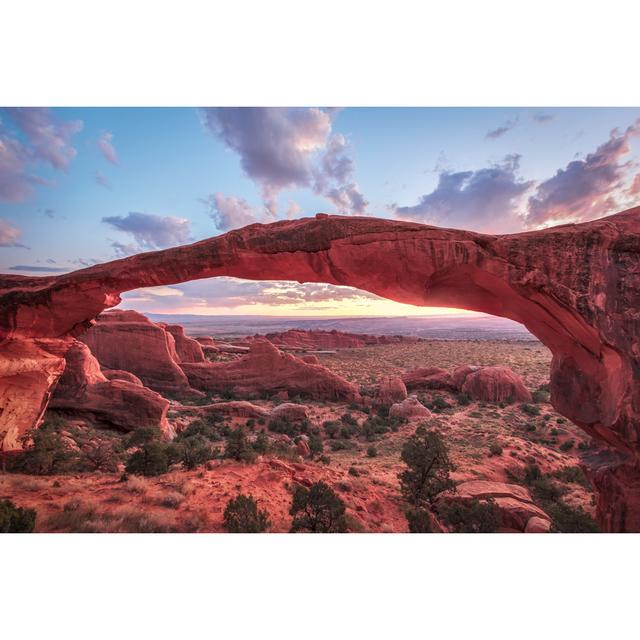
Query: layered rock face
(187,349)
(267,369)
(575,287)
(129,341)
(84,390)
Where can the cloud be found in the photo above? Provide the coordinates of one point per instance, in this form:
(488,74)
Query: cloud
(123,250)
(45,140)
(49,139)
(9,235)
(223,292)
(634,189)
(230,213)
(542,118)
(152,231)
(106,147)
(333,178)
(37,269)
(502,129)
(288,148)
(584,189)
(102,180)
(485,200)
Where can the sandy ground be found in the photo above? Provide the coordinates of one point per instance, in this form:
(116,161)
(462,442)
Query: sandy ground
(195,500)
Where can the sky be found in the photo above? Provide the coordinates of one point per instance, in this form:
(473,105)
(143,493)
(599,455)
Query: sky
(80,186)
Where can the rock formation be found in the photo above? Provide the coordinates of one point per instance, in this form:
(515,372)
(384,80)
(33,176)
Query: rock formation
(495,384)
(576,287)
(428,378)
(515,504)
(83,390)
(129,341)
(187,349)
(409,409)
(390,390)
(267,369)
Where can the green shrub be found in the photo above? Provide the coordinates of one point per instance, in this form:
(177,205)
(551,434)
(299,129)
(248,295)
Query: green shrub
(152,456)
(238,447)
(530,409)
(316,447)
(347,418)
(553,431)
(242,515)
(194,451)
(419,520)
(331,428)
(16,520)
(372,452)
(49,453)
(574,475)
(340,445)
(261,443)
(353,471)
(567,519)
(428,467)
(478,516)
(438,404)
(495,449)
(317,509)
(567,445)
(463,399)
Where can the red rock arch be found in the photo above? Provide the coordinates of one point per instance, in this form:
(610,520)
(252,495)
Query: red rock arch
(575,287)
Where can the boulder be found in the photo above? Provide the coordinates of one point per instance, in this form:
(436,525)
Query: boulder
(409,409)
(428,378)
(495,384)
(460,374)
(536,524)
(290,412)
(390,391)
(302,447)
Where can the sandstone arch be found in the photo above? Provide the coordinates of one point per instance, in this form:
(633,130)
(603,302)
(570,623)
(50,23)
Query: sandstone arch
(575,287)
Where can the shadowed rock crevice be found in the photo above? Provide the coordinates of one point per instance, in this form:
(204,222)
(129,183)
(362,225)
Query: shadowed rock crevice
(575,287)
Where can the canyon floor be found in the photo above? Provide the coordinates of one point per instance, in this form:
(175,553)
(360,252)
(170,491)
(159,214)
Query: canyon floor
(487,441)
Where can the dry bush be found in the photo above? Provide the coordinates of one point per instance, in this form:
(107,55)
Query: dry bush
(74,518)
(138,485)
(28,483)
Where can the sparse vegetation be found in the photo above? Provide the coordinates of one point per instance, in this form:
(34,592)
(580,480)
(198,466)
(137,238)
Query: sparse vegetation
(477,516)
(16,520)
(419,520)
(530,409)
(242,515)
(317,509)
(238,447)
(428,467)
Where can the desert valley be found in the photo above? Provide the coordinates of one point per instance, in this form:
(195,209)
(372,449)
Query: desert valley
(125,424)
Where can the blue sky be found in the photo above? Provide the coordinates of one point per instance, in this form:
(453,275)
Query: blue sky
(79,186)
